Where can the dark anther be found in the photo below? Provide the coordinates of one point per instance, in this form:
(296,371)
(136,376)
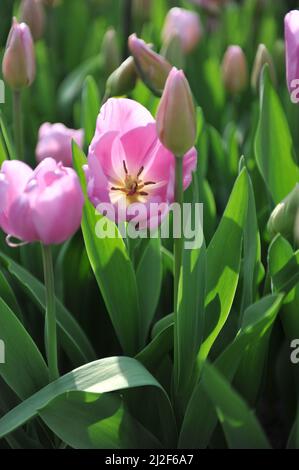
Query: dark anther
(140,171)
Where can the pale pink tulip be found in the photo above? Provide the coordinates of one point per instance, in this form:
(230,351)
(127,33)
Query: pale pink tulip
(32,13)
(55,141)
(186,25)
(234,70)
(42,205)
(127,164)
(18,64)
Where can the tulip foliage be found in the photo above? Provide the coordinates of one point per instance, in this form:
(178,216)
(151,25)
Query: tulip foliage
(139,366)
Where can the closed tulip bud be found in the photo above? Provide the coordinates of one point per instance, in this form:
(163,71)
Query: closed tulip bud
(176,117)
(110,51)
(123,79)
(291,30)
(186,25)
(282,219)
(152,67)
(18,64)
(32,13)
(234,70)
(262,57)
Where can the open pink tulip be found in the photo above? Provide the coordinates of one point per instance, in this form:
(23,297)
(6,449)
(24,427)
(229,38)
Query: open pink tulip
(291,28)
(127,163)
(55,141)
(41,205)
(185,24)
(18,64)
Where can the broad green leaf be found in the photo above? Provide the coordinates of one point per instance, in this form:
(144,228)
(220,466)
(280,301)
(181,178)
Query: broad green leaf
(90,108)
(241,428)
(88,421)
(223,263)
(3,150)
(200,419)
(7,294)
(71,337)
(149,280)
(252,367)
(163,323)
(112,374)
(273,145)
(7,151)
(24,370)
(293,441)
(252,253)
(189,324)
(113,270)
(72,84)
(284,272)
(162,344)
(283,265)
(167,258)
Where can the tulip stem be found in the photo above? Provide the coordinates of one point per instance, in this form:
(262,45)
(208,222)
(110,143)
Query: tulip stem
(18,124)
(127,25)
(51,328)
(178,247)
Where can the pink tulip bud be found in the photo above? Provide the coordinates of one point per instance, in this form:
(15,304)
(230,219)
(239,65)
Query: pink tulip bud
(212,6)
(291,30)
(234,70)
(176,118)
(18,64)
(42,205)
(262,57)
(283,218)
(152,67)
(32,13)
(185,24)
(55,141)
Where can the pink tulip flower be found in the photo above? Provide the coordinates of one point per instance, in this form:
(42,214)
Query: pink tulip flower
(127,164)
(186,25)
(18,64)
(55,141)
(42,205)
(291,27)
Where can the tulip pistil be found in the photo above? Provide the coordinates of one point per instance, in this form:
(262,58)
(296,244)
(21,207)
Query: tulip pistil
(133,185)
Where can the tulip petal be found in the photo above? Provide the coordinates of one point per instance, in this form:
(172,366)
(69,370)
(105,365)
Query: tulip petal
(122,115)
